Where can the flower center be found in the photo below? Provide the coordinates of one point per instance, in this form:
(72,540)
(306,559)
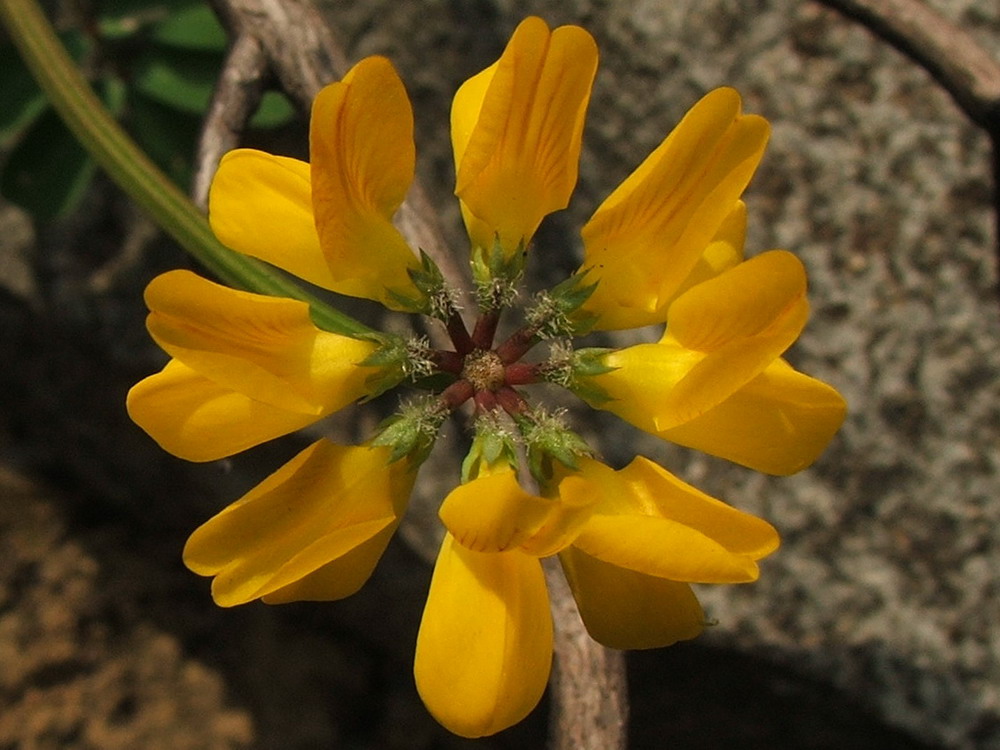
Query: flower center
(484,370)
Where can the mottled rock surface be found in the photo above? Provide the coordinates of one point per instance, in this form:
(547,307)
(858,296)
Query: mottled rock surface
(875,624)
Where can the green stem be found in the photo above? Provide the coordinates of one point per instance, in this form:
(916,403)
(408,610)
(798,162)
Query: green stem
(132,170)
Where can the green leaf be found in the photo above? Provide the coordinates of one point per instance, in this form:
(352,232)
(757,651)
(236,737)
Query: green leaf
(122,19)
(194,27)
(274,111)
(182,81)
(23,101)
(49,171)
(167,135)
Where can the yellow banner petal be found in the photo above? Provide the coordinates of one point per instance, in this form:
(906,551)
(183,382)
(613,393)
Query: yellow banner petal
(628,610)
(264,347)
(484,649)
(779,423)
(324,503)
(646,238)
(517,132)
(362,159)
(261,205)
(197,419)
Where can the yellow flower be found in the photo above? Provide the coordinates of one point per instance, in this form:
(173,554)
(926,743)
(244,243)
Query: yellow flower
(313,530)
(666,247)
(516,130)
(330,221)
(716,381)
(629,541)
(646,239)
(245,368)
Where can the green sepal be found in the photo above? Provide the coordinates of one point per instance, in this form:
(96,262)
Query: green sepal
(493,442)
(555,312)
(590,362)
(392,360)
(435,297)
(495,274)
(584,365)
(547,439)
(590,392)
(412,431)
(572,292)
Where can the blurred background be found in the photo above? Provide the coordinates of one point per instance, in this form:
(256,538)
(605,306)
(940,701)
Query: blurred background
(875,625)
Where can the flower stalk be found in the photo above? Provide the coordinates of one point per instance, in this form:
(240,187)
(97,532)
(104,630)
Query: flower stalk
(84,114)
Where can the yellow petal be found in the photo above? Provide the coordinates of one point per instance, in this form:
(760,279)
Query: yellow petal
(492,513)
(649,521)
(337,579)
(646,238)
(567,517)
(725,251)
(663,548)
(261,205)
(197,419)
(778,423)
(628,610)
(362,152)
(264,347)
(655,491)
(319,507)
(516,132)
(484,649)
(740,303)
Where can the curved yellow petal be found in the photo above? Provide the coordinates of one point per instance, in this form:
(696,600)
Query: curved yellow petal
(646,238)
(492,513)
(725,251)
(663,548)
(628,610)
(740,303)
(337,579)
(264,347)
(655,491)
(516,132)
(362,158)
(261,205)
(323,504)
(647,520)
(197,419)
(778,423)
(484,649)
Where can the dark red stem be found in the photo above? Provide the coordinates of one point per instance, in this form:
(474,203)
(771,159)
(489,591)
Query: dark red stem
(459,334)
(486,401)
(457,394)
(511,401)
(486,328)
(448,361)
(517,345)
(520,373)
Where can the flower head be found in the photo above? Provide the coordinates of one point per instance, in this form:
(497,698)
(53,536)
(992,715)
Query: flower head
(665,248)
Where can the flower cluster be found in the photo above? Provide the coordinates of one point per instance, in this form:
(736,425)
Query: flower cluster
(665,248)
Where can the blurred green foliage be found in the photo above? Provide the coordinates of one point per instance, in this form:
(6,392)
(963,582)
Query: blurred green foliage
(154,64)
